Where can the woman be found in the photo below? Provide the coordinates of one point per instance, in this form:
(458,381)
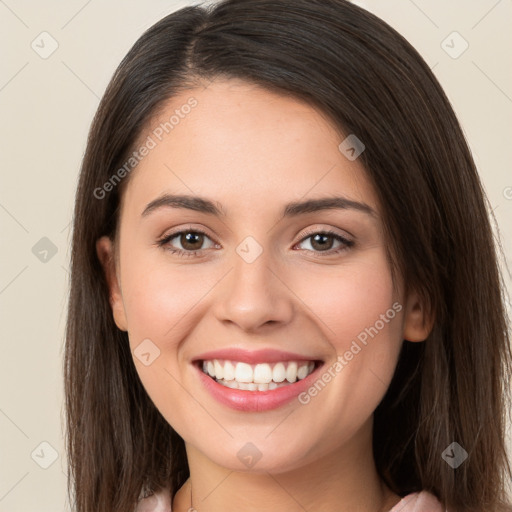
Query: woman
(284,285)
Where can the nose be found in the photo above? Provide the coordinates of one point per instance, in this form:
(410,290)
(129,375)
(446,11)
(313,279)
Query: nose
(254,296)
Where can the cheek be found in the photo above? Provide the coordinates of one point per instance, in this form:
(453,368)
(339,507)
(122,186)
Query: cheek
(361,318)
(161,303)
(161,300)
(352,300)
(164,303)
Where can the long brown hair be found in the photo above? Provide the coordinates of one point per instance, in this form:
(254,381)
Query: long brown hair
(371,82)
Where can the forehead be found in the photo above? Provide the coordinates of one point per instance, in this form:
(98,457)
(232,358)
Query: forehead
(246,147)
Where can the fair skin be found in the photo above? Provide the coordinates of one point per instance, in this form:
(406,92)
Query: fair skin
(251,152)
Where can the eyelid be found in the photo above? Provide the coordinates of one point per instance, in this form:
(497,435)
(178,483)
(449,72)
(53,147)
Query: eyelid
(188,228)
(331,231)
(346,242)
(166,238)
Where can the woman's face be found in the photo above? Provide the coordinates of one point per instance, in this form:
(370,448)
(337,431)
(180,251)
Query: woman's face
(255,167)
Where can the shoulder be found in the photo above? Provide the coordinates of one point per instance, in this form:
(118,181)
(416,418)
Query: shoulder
(158,502)
(415,502)
(419,502)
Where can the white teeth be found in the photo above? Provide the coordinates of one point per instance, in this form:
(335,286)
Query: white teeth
(262,374)
(279,373)
(291,372)
(229,371)
(243,372)
(302,371)
(251,386)
(261,377)
(219,370)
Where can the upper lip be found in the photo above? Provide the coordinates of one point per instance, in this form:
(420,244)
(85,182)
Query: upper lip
(268,355)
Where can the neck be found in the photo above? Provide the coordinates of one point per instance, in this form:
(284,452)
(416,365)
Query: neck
(342,480)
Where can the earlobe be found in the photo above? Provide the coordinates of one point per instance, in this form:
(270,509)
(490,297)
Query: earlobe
(105,252)
(417,324)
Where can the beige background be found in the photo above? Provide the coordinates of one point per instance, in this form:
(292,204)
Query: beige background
(46,106)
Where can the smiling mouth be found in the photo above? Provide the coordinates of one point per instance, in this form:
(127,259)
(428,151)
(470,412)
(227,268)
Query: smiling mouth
(257,377)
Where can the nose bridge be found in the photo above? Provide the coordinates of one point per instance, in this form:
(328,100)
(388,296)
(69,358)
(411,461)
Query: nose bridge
(252,295)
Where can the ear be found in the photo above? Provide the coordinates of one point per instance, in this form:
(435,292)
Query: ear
(105,251)
(417,324)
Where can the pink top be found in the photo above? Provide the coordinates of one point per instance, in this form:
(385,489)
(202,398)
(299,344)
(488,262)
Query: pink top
(416,502)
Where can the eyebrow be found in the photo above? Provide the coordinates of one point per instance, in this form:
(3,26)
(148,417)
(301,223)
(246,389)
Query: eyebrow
(292,209)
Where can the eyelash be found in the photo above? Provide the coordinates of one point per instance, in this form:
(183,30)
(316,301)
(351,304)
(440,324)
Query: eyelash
(347,244)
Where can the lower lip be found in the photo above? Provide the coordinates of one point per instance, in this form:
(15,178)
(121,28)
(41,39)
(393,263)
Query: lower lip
(256,401)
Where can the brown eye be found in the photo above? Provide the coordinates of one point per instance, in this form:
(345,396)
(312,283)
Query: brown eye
(186,243)
(323,241)
(191,240)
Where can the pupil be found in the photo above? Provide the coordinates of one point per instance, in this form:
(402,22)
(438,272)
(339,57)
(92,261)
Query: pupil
(190,239)
(322,244)
(319,239)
